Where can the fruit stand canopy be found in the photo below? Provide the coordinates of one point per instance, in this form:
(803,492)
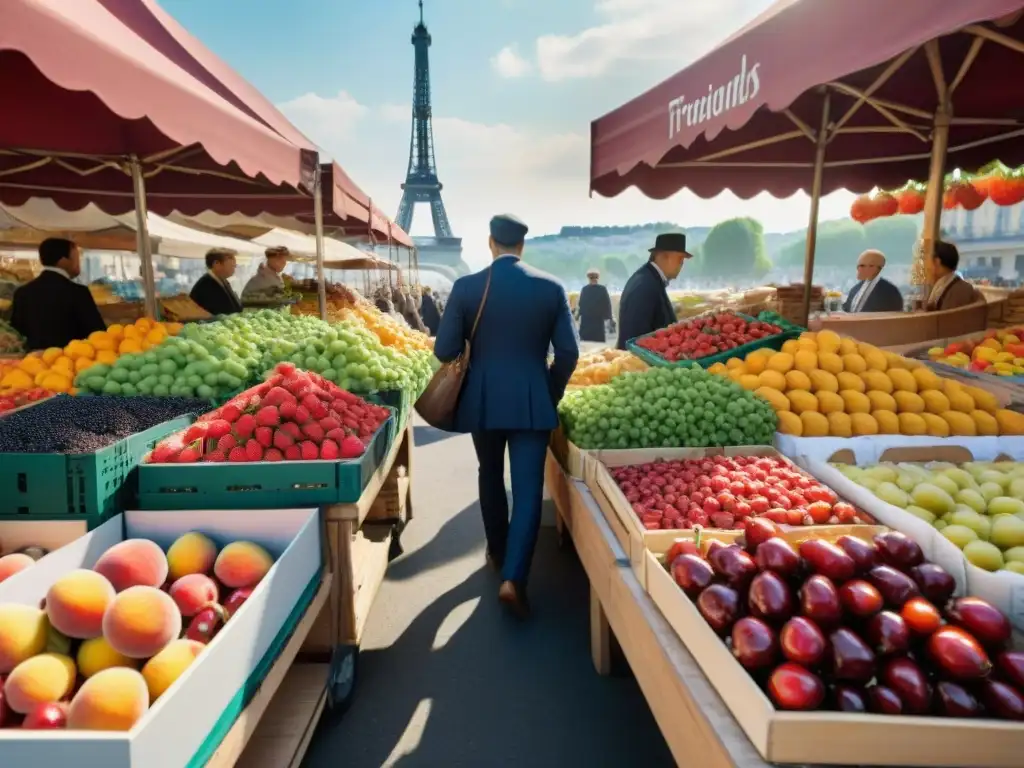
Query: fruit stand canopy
(745,117)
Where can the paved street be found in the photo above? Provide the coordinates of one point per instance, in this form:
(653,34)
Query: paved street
(445,679)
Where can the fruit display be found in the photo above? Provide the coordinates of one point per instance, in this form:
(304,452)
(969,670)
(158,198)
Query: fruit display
(824,385)
(214,360)
(182,309)
(705,336)
(729,492)
(109,641)
(603,366)
(66,424)
(292,416)
(19,399)
(11,342)
(998,352)
(978,506)
(854,626)
(666,407)
(17,561)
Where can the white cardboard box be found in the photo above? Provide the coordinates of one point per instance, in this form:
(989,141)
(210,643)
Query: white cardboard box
(174,730)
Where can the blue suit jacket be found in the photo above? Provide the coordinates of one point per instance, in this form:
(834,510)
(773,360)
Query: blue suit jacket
(509,385)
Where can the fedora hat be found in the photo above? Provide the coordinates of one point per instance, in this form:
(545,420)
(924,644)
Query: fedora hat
(671,241)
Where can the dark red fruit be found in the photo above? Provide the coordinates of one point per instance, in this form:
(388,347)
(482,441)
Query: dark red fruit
(1011,667)
(958,654)
(754,644)
(847,698)
(819,601)
(896,587)
(863,553)
(860,598)
(953,700)
(793,687)
(910,684)
(981,619)
(713,545)
(934,583)
(884,701)
(779,556)
(828,559)
(920,616)
(1002,700)
(692,573)
(802,642)
(887,633)
(734,565)
(770,598)
(680,547)
(852,659)
(758,531)
(898,550)
(720,607)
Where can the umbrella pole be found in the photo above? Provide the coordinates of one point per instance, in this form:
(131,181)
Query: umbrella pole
(932,227)
(143,244)
(318,223)
(821,143)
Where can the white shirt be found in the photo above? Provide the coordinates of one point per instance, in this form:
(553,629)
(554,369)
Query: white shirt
(58,270)
(658,270)
(862,295)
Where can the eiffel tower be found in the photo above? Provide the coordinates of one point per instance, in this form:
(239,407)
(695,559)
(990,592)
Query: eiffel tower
(421,182)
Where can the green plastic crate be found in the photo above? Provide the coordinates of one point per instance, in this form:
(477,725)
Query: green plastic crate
(89,486)
(263,485)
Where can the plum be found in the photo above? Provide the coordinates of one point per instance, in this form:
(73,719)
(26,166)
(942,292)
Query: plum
(793,687)
(819,601)
(720,606)
(852,659)
(828,559)
(803,642)
(770,598)
(981,619)
(754,643)
(958,654)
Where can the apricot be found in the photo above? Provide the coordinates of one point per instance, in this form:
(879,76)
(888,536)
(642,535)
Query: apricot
(133,563)
(14,563)
(96,654)
(76,603)
(141,621)
(42,679)
(112,700)
(191,553)
(167,666)
(242,564)
(24,631)
(193,591)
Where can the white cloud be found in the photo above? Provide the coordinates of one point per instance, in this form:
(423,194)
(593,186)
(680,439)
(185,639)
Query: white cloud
(643,30)
(492,168)
(508,63)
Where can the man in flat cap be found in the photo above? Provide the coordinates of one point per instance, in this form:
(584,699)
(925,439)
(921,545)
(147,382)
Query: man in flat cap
(872,293)
(212,291)
(595,308)
(645,306)
(512,314)
(268,279)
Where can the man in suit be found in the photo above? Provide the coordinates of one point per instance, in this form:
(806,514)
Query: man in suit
(51,310)
(595,308)
(872,293)
(645,306)
(431,317)
(509,395)
(950,291)
(212,291)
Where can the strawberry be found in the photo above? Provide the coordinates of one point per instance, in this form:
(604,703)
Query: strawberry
(215,457)
(287,409)
(309,451)
(276,396)
(253,451)
(339,407)
(230,413)
(293,453)
(282,439)
(163,454)
(268,416)
(226,443)
(291,428)
(327,423)
(337,435)
(285,369)
(189,455)
(262,390)
(310,401)
(273,454)
(351,448)
(314,432)
(217,429)
(329,450)
(301,415)
(245,426)
(264,436)
(237,455)
(195,432)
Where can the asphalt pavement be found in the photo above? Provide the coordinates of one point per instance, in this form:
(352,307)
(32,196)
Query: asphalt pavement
(445,678)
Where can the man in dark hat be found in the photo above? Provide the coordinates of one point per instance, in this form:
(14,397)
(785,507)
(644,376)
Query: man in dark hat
(595,308)
(644,306)
(510,393)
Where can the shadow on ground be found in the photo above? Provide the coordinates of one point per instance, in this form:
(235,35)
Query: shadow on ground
(424,435)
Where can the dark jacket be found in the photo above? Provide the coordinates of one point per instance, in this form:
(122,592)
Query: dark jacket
(958,294)
(884,298)
(431,317)
(51,311)
(595,308)
(215,297)
(509,385)
(644,306)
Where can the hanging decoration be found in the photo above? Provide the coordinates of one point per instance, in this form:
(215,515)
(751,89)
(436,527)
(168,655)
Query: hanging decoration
(877,205)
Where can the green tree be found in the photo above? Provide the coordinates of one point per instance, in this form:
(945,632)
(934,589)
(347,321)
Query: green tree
(894,236)
(615,269)
(842,241)
(734,248)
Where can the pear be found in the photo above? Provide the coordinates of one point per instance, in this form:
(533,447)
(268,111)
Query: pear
(1014,555)
(1005,505)
(990,490)
(883,473)
(892,494)
(960,535)
(907,482)
(994,477)
(984,554)
(1016,489)
(961,478)
(924,514)
(945,483)
(931,497)
(1014,567)
(972,499)
(1007,531)
(969,519)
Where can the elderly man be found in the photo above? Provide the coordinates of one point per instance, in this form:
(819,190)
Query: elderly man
(267,279)
(645,306)
(212,291)
(872,293)
(595,308)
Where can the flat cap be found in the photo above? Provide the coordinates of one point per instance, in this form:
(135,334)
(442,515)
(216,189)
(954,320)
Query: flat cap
(507,229)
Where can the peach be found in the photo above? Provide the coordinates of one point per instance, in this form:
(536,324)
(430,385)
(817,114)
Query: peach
(193,591)
(44,678)
(97,654)
(167,666)
(141,621)
(23,634)
(242,564)
(133,563)
(76,603)
(191,553)
(112,700)
(14,563)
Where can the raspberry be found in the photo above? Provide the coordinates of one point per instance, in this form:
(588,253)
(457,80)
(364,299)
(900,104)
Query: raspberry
(245,426)
(282,439)
(273,455)
(301,415)
(329,450)
(226,443)
(230,413)
(314,432)
(217,429)
(293,453)
(268,416)
(237,455)
(215,457)
(253,451)
(264,436)
(327,423)
(287,410)
(309,451)
(291,428)
(351,448)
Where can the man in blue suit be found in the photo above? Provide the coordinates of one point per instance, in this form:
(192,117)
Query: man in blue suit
(510,393)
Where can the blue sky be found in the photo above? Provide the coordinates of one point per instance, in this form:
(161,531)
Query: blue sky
(515,86)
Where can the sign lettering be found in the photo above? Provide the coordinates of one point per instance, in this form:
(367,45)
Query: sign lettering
(741,89)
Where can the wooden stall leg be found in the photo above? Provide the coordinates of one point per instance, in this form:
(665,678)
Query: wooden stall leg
(561,536)
(600,636)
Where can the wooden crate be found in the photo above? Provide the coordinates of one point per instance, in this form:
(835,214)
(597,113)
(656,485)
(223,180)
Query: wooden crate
(572,458)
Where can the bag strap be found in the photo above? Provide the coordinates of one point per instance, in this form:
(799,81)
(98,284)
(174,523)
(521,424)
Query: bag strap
(483,301)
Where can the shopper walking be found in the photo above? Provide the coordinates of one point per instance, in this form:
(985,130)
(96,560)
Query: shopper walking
(595,308)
